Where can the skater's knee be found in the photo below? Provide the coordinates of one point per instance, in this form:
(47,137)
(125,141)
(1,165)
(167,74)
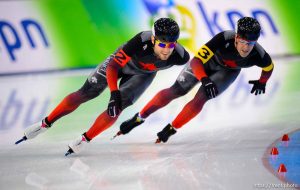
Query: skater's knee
(87,91)
(177,90)
(126,102)
(200,97)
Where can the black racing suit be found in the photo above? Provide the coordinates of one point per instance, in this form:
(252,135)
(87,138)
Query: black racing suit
(137,67)
(219,60)
(134,62)
(222,62)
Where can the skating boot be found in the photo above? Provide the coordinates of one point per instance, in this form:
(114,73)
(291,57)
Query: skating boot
(165,133)
(76,145)
(34,130)
(129,124)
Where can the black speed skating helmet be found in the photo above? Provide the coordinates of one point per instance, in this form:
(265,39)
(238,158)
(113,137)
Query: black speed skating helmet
(166,30)
(248,28)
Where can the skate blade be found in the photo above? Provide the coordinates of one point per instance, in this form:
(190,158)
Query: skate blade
(118,134)
(157,141)
(21,140)
(70,151)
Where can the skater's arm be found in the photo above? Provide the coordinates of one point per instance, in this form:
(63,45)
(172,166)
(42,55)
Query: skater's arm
(259,86)
(112,75)
(121,58)
(197,68)
(267,66)
(115,103)
(266,73)
(204,54)
(119,61)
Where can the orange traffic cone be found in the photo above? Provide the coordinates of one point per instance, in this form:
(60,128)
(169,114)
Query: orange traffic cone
(274,151)
(282,168)
(285,137)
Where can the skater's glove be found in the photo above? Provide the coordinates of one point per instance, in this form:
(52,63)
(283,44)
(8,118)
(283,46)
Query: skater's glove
(115,104)
(258,87)
(210,87)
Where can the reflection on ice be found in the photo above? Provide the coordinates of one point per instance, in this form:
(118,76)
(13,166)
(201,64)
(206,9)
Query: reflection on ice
(37,181)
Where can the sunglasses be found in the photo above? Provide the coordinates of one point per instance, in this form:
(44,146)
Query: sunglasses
(165,45)
(245,42)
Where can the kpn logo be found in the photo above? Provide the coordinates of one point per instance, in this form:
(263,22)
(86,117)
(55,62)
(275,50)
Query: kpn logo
(28,32)
(199,21)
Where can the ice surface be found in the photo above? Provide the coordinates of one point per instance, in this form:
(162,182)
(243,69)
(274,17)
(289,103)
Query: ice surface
(224,148)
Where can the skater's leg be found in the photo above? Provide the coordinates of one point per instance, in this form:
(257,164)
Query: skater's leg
(191,109)
(102,122)
(183,84)
(68,104)
(73,101)
(131,88)
(93,86)
(162,98)
(223,79)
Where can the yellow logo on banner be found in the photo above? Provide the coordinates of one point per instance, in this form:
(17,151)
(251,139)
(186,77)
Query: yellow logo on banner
(204,54)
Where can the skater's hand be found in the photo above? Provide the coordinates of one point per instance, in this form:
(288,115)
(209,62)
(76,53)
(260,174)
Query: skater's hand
(115,104)
(210,87)
(258,87)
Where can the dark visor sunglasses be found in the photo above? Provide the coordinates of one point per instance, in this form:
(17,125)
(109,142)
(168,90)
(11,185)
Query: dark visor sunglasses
(165,45)
(249,43)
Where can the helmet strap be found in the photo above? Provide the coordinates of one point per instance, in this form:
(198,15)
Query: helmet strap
(153,40)
(235,39)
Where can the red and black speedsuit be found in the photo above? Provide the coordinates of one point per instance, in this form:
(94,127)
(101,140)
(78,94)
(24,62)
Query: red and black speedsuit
(219,60)
(135,64)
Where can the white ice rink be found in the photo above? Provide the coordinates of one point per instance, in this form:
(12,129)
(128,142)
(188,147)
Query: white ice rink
(226,147)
